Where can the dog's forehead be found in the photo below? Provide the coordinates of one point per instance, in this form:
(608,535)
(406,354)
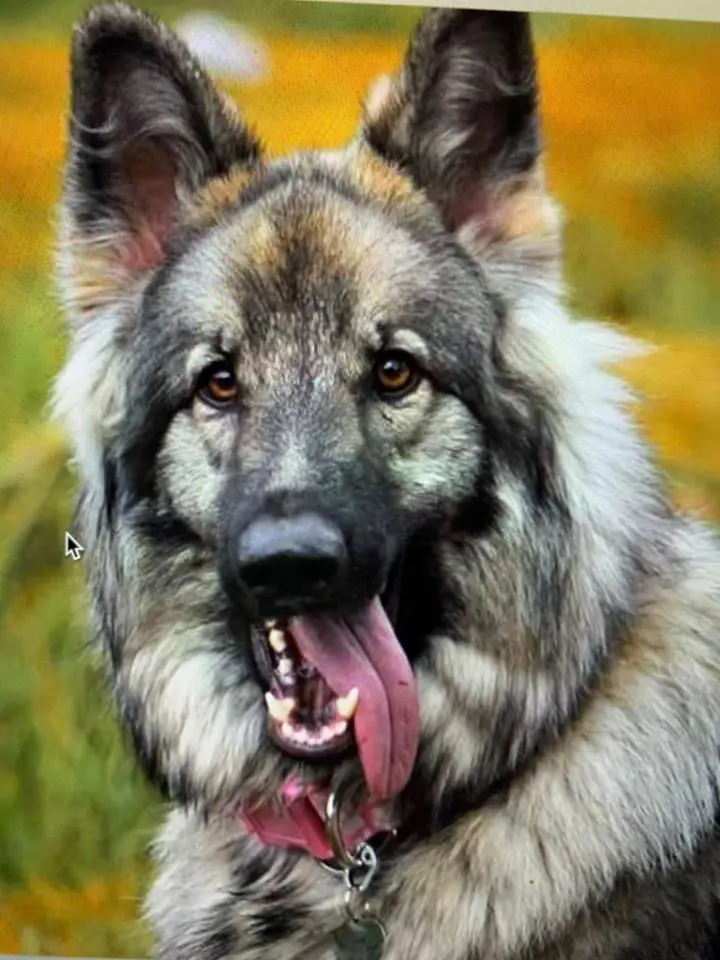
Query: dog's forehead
(306,261)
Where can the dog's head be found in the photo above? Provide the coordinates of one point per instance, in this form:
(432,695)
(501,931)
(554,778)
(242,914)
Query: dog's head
(289,394)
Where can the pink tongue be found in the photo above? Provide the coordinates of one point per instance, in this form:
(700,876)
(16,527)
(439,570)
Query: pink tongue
(362,651)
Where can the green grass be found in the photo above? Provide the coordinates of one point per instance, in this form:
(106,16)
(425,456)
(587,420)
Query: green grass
(667,284)
(68,798)
(72,806)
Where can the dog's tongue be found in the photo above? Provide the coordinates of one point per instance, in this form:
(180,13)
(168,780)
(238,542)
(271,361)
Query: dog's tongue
(362,651)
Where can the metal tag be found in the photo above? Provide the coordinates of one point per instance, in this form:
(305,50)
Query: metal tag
(360,940)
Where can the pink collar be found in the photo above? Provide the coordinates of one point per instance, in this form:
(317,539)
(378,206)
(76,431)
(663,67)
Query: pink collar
(298,820)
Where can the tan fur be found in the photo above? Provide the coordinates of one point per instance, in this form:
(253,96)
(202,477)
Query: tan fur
(380,97)
(381,182)
(326,231)
(206,206)
(524,210)
(94,277)
(385,108)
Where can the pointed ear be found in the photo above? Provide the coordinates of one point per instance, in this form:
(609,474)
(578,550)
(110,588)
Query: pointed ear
(147,129)
(461,118)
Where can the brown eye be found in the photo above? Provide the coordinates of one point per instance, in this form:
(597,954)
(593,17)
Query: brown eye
(395,375)
(218,385)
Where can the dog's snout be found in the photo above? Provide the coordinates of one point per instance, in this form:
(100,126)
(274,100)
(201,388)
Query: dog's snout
(290,561)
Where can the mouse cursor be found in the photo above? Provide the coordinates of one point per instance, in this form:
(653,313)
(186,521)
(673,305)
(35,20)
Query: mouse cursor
(72,547)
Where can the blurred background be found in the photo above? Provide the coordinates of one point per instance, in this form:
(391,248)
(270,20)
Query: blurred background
(632,112)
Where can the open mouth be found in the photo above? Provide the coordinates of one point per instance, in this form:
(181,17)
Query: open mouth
(307,718)
(342,681)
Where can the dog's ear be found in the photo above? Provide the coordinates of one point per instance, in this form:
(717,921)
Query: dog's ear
(461,117)
(147,128)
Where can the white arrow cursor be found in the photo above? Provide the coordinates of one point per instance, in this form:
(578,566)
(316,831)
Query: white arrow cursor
(72,547)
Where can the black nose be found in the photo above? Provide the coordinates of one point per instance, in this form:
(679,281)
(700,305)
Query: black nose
(288,563)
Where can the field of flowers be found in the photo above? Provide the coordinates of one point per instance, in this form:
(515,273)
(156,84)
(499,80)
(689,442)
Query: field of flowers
(633,133)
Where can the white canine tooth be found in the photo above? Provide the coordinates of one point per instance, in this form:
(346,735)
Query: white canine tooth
(338,728)
(279,710)
(276,639)
(347,705)
(287,731)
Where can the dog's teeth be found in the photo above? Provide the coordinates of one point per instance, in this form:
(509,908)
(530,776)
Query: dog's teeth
(347,705)
(285,667)
(276,639)
(279,709)
(326,732)
(338,728)
(287,731)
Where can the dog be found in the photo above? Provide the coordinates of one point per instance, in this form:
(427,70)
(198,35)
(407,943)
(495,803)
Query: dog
(396,612)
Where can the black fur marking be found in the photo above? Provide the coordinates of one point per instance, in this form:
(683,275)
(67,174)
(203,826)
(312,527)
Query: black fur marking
(167,531)
(422,820)
(712,951)
(110,487)
(274,925)
(481,512)
(423,607)
(222,941)
(271,923)
(251,871)
(149,413)
(147,753)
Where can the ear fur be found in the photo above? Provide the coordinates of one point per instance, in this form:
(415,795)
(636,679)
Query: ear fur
(147,128)
(461,117)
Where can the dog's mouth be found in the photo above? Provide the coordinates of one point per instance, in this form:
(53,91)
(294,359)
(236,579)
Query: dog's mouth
(337,681)
(307,719)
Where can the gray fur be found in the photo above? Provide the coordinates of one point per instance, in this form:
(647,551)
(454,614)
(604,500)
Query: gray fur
(564,620)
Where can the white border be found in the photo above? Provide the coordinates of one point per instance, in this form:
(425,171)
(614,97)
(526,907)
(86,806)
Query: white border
(701,10)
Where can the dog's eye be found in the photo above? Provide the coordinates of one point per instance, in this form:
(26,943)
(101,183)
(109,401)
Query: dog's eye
(218,385)
(395,374)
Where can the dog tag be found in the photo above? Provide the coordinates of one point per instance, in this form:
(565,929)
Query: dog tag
(360,940)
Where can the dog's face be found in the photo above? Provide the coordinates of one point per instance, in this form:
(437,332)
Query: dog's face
(286,390)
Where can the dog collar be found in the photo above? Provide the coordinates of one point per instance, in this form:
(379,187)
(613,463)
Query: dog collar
(298,822)
(308,818)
